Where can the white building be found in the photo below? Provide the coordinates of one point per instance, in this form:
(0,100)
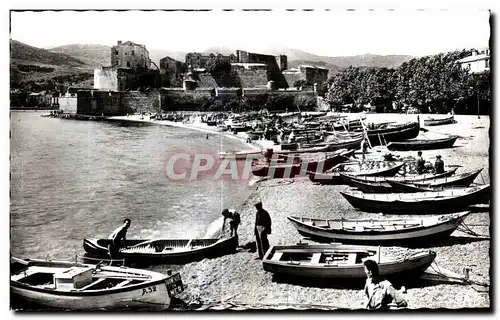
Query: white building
(476,62)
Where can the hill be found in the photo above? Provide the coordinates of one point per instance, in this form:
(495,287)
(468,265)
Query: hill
(94,55)
(23,53)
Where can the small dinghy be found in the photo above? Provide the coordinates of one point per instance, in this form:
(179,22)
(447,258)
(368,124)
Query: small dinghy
(407,231)
(338,261)
(77,286)
(453,200)
(171,251)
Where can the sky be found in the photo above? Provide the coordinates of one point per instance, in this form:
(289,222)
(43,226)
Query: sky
(337,32)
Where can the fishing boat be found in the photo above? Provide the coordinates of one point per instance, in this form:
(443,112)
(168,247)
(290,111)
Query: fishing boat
(352,143)
(461,180)
(420,202)
(393,231)
(381,136)
(391,169)
(300,167)
(339,261)
(422,144)
(79,286)
(408,178)
(436,122)
(171,251)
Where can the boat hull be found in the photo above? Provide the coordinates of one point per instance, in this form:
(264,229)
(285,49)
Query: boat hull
(400,133)
(291,171)
(418,205)
(430,234)
(422,144)
(98,248)
(438,122)
(410,267)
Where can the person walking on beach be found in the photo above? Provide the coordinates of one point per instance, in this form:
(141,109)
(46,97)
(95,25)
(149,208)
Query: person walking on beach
(420,163)
(262,229)
(234,221)
(380,292)
(118,237)
(439,165)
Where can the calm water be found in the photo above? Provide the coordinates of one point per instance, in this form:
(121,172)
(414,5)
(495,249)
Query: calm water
(76,179)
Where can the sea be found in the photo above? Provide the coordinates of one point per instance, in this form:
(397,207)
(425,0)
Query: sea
(74,179)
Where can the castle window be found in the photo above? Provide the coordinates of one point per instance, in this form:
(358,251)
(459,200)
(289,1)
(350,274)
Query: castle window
(116,62)
(128,63)
(116,52)
(487,63)
(133,53)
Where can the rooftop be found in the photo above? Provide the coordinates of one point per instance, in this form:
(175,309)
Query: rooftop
(474,58)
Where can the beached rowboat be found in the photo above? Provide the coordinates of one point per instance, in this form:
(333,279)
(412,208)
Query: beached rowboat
(380,231)
(408,178)
(421,144)
(77,286)
(173,251)
(420,202)
(336,177)
(338,261)
(436,122)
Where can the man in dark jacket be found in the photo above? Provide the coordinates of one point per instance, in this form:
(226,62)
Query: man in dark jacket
(118,238)
(262,229)
(439,165)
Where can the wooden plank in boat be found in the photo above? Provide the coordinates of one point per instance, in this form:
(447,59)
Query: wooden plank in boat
(123,283)
(277,256)
(316,257)
(92,284)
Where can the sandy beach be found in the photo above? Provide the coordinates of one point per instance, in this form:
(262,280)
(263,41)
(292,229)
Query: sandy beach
(239,279)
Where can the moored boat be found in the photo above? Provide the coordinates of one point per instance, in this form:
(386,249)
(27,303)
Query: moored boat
(242,155)
(335,177)
(338,261)
(421,144)
(393,133)
(78,286)
(409,231)
(436,122)
(172,251)
(419,203)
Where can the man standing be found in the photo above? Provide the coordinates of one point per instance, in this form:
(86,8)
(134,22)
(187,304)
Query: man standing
(420,163)
(118,238)
(262,229)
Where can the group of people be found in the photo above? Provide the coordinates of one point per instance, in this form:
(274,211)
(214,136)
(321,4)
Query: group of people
(421,167)
(379,292)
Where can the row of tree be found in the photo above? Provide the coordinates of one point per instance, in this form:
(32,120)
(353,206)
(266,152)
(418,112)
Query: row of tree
(435,83)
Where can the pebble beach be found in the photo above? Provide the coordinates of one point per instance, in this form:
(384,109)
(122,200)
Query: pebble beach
(239,279)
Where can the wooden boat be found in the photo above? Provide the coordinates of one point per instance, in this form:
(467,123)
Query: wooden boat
(285,170)
(419,203)
(421,144)
(78,286)
(461,180)
(242,155)
(339,261)
(354,143)
(393,133)
(436,122)
(380,231)
(336,177)
(408,178)
(172,251)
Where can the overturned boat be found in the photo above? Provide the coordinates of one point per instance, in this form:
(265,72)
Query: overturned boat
(393,231)
(78,286)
